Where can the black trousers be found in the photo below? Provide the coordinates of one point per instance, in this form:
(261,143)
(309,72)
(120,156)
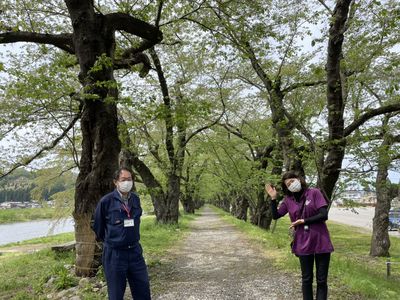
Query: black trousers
(322,267)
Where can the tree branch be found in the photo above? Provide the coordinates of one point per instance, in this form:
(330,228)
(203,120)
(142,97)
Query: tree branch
(216,120)
(137,58)
(169,139)
(159,10)
(235,131)
(62,41)
(302,84)
(257,67)
(150,33)
(28,160)
(326,6)
(252,83)
(206,126)
(370,114)
(184,17)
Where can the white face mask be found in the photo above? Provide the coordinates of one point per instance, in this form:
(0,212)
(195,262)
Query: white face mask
(125,186)
(295,186)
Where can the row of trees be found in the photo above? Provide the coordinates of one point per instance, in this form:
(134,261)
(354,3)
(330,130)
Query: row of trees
(20,195)
(206,100)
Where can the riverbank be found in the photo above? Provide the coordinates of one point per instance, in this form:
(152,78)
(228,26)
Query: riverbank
(30,270)
(14,215)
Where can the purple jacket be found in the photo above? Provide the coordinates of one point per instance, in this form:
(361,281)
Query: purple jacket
(316,238)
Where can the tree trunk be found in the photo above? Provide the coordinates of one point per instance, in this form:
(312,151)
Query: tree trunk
(241,204)
(100,143)
(261,214)
(223,202)
(171,213)
(198,203)
(187,197)
(280,123)
(380,242)
(188,203)
(166,205)
(335,100)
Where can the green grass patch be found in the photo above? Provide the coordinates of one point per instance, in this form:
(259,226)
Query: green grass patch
(26,214)
(155,238)
(352,274)
(28,273)
(24,276)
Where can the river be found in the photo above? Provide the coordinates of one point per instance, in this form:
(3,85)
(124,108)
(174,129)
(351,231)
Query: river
(16,232)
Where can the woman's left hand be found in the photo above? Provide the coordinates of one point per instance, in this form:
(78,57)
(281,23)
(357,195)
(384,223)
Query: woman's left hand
(297,222)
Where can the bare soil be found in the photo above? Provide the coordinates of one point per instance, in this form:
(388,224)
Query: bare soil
(216,261)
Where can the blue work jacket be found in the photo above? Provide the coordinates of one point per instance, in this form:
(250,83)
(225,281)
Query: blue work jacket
(109,220)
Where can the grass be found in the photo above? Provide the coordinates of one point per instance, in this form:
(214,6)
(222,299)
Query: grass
(24,276)
(25,214)
(353,274)
(48,240)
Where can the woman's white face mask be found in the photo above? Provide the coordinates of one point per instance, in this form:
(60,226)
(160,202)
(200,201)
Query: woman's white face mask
(295,186)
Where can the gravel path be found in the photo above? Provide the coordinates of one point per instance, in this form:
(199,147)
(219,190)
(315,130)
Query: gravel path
(216,261)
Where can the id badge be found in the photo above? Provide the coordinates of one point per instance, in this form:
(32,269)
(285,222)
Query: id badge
(128,223)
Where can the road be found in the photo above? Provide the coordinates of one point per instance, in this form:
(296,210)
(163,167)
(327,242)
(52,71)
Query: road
(359,217)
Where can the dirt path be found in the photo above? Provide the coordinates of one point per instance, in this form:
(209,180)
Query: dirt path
(217,262)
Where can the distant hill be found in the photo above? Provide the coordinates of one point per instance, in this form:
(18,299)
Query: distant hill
(17,186)
(25,186)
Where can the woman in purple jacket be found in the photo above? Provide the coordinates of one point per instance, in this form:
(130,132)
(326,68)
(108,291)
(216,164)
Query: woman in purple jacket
(308,212)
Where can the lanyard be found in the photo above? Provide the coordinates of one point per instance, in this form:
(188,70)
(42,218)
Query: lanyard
(126,209)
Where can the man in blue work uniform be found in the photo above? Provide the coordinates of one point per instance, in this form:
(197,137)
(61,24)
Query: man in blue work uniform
(116,223)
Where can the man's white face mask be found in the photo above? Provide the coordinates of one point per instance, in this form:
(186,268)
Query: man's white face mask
(295,186)
(125,186)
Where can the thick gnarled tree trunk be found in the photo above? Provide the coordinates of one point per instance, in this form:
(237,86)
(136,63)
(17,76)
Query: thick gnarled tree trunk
(92,42)
(100,143)
(93,39)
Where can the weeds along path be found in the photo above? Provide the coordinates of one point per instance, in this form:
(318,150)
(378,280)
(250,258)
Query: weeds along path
(216,261)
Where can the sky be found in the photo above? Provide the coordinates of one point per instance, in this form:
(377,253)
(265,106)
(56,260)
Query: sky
(8,144)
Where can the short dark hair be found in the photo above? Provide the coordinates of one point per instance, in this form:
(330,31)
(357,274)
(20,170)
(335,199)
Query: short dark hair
(292,174)
(118,172)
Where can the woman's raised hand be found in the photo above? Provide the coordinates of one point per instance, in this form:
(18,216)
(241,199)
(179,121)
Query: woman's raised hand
(271,191)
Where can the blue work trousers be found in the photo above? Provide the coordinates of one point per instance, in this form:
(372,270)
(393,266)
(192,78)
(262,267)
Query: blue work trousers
(122,264)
